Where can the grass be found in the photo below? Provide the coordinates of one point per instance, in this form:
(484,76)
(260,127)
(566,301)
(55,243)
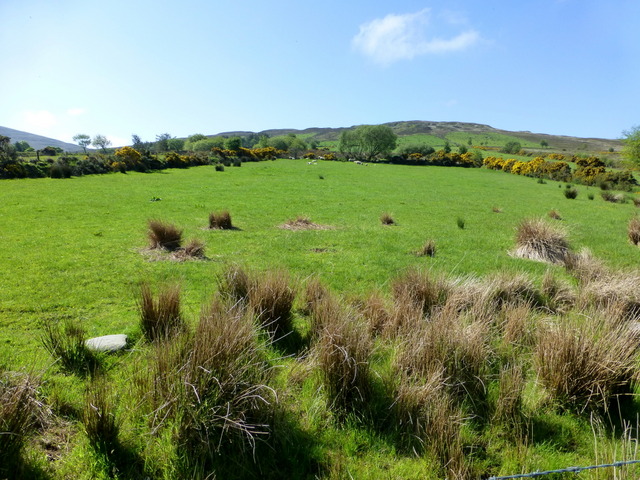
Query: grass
(218,383)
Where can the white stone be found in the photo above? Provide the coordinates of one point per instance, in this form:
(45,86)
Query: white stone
(107,343)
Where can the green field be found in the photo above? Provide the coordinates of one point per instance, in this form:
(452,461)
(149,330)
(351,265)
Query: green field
(77,249)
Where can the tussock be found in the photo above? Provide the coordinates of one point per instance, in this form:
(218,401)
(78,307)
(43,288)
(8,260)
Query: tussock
(162,317)
(303,223)
(540,241)
(633,230)
(220,220)
(586,365)
(164,235)
(271,299)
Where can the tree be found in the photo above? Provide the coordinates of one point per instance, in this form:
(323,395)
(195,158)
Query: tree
(162,142)
(368,141)
(83,140)
(102,142)
(22,146)
(631,141)
(512,147)
(175,144)
(233,143)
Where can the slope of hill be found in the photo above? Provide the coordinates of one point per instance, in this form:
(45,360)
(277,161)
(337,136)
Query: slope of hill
(38,141)
(446,129)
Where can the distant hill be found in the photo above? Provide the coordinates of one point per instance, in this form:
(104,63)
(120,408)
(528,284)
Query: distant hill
(443,129)
(38,142)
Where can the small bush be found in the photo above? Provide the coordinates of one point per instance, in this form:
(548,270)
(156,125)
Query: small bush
(387,219)
(636,201)
(65,341)
(219,167)
(220,220)
(161,318)
(571,193)
(460,222)
(633,230)
(164,235)
(538,240)
(271,299)
(590,196)
(428,249)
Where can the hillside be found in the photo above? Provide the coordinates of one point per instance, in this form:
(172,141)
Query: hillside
(37,141)
(447,129)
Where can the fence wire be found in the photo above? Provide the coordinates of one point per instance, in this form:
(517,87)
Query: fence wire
(566,470)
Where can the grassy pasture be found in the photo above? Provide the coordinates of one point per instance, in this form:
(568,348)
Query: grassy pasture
(73,247)
(76,249)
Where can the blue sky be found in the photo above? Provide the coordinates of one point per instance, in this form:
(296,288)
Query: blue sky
(147,67)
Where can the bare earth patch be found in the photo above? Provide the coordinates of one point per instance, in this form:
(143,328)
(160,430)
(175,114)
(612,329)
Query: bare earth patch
(303,223)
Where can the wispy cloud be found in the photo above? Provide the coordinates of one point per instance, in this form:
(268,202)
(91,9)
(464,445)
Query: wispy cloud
(403,37)
(39,119)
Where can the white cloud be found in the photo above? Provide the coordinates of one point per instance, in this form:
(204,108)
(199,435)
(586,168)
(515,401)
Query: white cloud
(39,120)
(74,112)
(402,37)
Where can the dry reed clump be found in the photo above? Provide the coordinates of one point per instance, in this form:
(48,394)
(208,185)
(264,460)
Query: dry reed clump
(213,383)
(375,310)
(540,241)
(420,289)
(633,230)
(585,267)
(517,325)
(460,349)
(505,288)
(234,283)
(194,249)
(65,341)
(342,351)
(428,249)
(554,214)
(314,292)
(587,365)
(162,317)
(99,417)
(636,201)
(429,420)
(164,235)
(387,219)
(559,297)
(508,405)
(220,220)
(20,413)
(271,298)
(303,223)
(617,291)
(613,197)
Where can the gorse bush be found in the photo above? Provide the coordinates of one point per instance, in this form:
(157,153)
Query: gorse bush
(164,235)
(160,317)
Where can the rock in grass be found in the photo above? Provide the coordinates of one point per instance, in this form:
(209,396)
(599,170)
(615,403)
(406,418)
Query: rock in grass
(107,343)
